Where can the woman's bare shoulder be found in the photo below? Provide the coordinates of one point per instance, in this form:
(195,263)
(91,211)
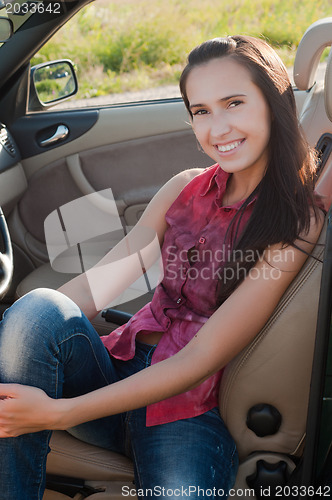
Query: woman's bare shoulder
(154,214)
(171,190)
(186,176)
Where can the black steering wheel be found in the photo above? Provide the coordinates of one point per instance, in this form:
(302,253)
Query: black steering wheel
(6,257)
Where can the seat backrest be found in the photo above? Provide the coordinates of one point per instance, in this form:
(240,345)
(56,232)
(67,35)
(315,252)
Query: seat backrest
(265,389)
(275,370)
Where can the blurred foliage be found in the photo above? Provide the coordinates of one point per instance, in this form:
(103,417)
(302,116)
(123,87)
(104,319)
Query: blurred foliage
(121,45)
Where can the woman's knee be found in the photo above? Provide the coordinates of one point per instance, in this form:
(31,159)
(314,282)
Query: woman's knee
(31,326)
(40,307)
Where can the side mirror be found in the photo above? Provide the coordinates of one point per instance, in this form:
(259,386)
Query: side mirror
(51,83)
(6,29)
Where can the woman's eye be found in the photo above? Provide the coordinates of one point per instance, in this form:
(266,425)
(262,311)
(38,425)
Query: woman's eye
(200,112)
(233,104)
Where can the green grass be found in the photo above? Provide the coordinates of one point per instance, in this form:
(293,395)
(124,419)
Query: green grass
(121,45)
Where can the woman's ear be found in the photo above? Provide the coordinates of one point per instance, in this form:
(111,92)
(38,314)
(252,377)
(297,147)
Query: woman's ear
(199,147)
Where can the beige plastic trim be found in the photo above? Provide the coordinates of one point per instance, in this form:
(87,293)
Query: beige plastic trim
(300,98)
(324,183)
(13,183)
(36,250)
(104,204)
(116,124)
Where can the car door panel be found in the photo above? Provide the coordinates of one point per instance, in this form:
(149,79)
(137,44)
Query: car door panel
(13,184)
(132,150)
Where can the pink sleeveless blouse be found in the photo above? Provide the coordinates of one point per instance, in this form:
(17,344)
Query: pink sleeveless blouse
(193,253)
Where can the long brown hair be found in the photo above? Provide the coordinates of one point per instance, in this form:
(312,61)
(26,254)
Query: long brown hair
(285,194)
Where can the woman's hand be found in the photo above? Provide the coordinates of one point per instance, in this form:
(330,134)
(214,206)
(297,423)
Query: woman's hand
(25,409)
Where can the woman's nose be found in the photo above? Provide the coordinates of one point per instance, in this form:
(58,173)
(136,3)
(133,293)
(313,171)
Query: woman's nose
(220,126)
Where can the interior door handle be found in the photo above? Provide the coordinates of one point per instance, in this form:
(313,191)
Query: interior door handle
(61,133)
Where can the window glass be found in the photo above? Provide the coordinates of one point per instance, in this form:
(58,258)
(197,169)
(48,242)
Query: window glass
(132,50)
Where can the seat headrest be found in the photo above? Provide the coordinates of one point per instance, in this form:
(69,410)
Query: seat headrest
(315,39)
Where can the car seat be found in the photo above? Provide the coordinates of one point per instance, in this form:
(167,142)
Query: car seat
(265,389)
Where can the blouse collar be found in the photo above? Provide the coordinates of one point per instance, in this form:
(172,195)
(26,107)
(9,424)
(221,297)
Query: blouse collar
(219,180)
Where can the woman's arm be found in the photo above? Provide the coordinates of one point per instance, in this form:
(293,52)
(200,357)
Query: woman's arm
(116,271)
(222,337)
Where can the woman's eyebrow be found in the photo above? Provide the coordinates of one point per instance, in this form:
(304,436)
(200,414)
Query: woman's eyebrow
(223,99)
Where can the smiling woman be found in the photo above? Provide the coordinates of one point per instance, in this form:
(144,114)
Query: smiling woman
(154,381)
(241,123)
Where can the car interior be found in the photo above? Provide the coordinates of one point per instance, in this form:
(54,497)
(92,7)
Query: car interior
(265,390)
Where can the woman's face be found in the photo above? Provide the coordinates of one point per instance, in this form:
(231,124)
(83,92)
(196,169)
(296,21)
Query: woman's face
(231,118)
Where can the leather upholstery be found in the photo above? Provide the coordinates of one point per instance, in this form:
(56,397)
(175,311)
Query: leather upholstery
(275,368)
(71,457)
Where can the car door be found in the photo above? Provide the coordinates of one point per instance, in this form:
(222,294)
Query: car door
(130,149)
(126,150)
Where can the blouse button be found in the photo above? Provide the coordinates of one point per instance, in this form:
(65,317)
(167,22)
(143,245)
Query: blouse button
(179,301)
(202,239)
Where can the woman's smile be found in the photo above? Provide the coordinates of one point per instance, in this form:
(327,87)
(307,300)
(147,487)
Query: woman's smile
(227,148)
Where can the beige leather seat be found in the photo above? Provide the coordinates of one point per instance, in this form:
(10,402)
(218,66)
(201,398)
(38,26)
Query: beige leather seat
(267,385)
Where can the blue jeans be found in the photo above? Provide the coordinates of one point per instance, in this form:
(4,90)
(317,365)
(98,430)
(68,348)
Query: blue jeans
(46,341)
